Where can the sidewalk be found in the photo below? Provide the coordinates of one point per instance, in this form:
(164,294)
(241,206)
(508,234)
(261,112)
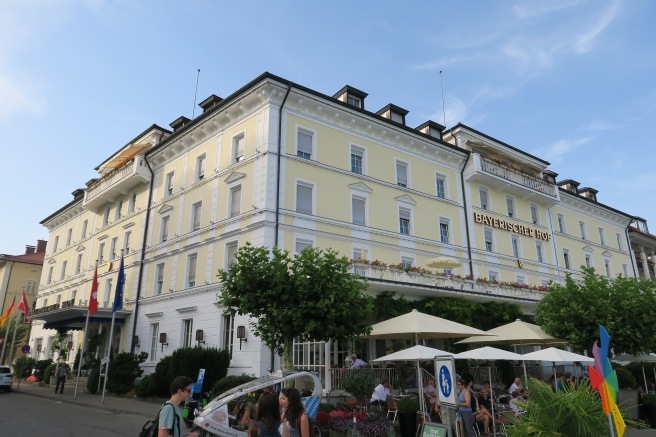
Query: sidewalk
(120,405)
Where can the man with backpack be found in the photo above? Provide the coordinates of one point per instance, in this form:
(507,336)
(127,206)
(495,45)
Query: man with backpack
(170,415)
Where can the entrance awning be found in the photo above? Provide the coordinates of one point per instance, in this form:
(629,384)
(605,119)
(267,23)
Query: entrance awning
(77,323)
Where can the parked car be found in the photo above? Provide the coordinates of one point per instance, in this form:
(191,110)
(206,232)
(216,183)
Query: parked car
(6,378)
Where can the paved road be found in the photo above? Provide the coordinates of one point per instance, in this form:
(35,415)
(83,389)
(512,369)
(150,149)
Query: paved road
(26,415)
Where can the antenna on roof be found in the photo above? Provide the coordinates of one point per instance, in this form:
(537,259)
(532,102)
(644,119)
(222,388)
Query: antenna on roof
(442,87)
(193,110)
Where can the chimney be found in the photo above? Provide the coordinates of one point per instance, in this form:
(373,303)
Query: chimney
(41,246)
(29,249)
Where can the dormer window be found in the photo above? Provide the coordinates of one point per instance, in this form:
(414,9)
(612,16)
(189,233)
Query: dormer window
(351,96)
(394,113)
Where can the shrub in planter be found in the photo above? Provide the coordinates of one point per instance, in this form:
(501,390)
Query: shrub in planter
(360,383)
(625,378)
(123,370)
(40,367)
(23,366)
(48,372)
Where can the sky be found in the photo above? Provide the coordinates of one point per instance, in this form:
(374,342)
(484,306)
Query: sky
(569,81)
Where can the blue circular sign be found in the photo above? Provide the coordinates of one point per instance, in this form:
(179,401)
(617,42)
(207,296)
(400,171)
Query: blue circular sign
(25,349)
(445,382)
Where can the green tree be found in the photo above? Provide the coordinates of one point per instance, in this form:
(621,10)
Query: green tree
(310,296)
(624,306)
(7,333)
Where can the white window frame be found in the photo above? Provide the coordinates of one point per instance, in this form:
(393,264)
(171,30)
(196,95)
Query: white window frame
(602,236)
(567,259)
(101,250)
(78,264)
(516,246)
(304,242)
(106,216)
(302,153)
(201,167)
(231,250)
(85,223)
(119,207)
(164,230)
(63,270)
(488,232)
(126,242)
(234,211)
(228,331)
(511,207)
(357,151)
(444,223)
(108,292)
(399,164)
(191,277)
(520,279)
(196,215)
(363,201)
(407,261)
(112,249)
(442,179)
(493,275)
(539,251)
(238,147)
(360,252)
(588,260)
(608,268)
(620,245)
(583,229)
(484,198)
(562,228)
(159,279)
(311,186)
(69,236)
(187,332)
(169,183)
(354,101)
(132,202)
(154,340)
(625,270)
(401,214)
(30,286)
(535,214)
(54,247)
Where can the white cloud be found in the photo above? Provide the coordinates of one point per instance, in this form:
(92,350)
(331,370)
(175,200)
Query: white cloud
(586,40)
(557,151)
(602,126)
(530,9)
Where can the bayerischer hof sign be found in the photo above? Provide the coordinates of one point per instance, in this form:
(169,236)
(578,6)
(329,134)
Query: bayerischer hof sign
(509,226)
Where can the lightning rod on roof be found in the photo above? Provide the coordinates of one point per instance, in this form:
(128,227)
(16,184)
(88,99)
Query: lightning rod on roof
(193,110)
(442,87)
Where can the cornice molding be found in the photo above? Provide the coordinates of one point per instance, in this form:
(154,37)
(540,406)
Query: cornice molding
(586,207)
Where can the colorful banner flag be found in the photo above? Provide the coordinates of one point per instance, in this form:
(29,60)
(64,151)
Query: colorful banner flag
(120,285)
(93,300)
(604,379)
(24,307)
(5,316)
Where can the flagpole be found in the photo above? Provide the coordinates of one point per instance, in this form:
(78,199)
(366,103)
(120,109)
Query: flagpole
(79,363)
(94,288)
(118,305)
(13,338)
(4,342)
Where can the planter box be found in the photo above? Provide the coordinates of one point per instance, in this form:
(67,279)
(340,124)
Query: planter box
(407,423)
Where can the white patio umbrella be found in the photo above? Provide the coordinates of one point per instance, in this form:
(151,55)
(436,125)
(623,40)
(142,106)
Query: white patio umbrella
(557,355)
(416,325)
(517,332)
(489,353)
(443,262)
(415,353)
(643,358)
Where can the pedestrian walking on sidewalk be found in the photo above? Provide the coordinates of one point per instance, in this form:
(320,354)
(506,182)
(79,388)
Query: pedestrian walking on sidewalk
(170,419)
(61,374)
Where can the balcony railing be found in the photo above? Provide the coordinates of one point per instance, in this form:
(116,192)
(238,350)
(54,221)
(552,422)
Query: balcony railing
(518,177)
(448,282)
(121,179)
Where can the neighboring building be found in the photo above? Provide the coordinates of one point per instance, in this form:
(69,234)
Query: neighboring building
(643,245)
(20,273)
(279,164)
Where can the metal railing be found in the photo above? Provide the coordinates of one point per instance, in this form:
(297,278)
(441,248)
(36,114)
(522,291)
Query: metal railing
(518,177)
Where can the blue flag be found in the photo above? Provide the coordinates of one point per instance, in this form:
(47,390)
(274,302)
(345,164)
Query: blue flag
(120,286)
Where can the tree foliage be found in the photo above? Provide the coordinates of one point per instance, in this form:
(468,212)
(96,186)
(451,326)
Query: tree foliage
(624,306)
(308,296)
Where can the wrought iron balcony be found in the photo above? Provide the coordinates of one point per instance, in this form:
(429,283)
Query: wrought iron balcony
(117,182)
(510,179)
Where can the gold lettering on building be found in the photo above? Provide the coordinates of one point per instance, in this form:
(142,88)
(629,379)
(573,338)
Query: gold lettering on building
(509,226)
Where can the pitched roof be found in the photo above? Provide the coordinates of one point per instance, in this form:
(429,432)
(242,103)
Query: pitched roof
(29,258)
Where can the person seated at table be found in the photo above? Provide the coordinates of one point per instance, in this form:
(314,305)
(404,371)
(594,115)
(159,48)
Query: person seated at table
(381,393)
(517,409)
(484,409)
(515,386)
(357,363)
(430,394)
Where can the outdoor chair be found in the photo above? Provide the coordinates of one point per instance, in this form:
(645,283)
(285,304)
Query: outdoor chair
(392,409)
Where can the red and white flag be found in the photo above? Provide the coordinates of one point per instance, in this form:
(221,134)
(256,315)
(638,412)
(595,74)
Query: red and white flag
(93,300)
(24,307)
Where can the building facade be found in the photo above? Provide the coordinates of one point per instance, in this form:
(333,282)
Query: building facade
(18,274)
(278,164)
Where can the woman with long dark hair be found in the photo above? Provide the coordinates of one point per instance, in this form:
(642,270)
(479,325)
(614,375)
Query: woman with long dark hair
(296,422)
(268,417)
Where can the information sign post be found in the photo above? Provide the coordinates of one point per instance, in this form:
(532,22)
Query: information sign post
(445,372)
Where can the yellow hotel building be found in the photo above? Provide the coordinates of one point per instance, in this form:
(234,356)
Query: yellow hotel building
(276,163)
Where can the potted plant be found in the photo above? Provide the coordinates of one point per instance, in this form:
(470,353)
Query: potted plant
(360,383)
(408,408)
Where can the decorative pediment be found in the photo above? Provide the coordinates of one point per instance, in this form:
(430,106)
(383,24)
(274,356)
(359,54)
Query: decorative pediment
(157,314)
(104,237)
(129,225)
(186,309)
(406,199)
(234,176)
(164,209)
(79,248)
(607,254)
(51,261)
(588,249)
(359,186)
